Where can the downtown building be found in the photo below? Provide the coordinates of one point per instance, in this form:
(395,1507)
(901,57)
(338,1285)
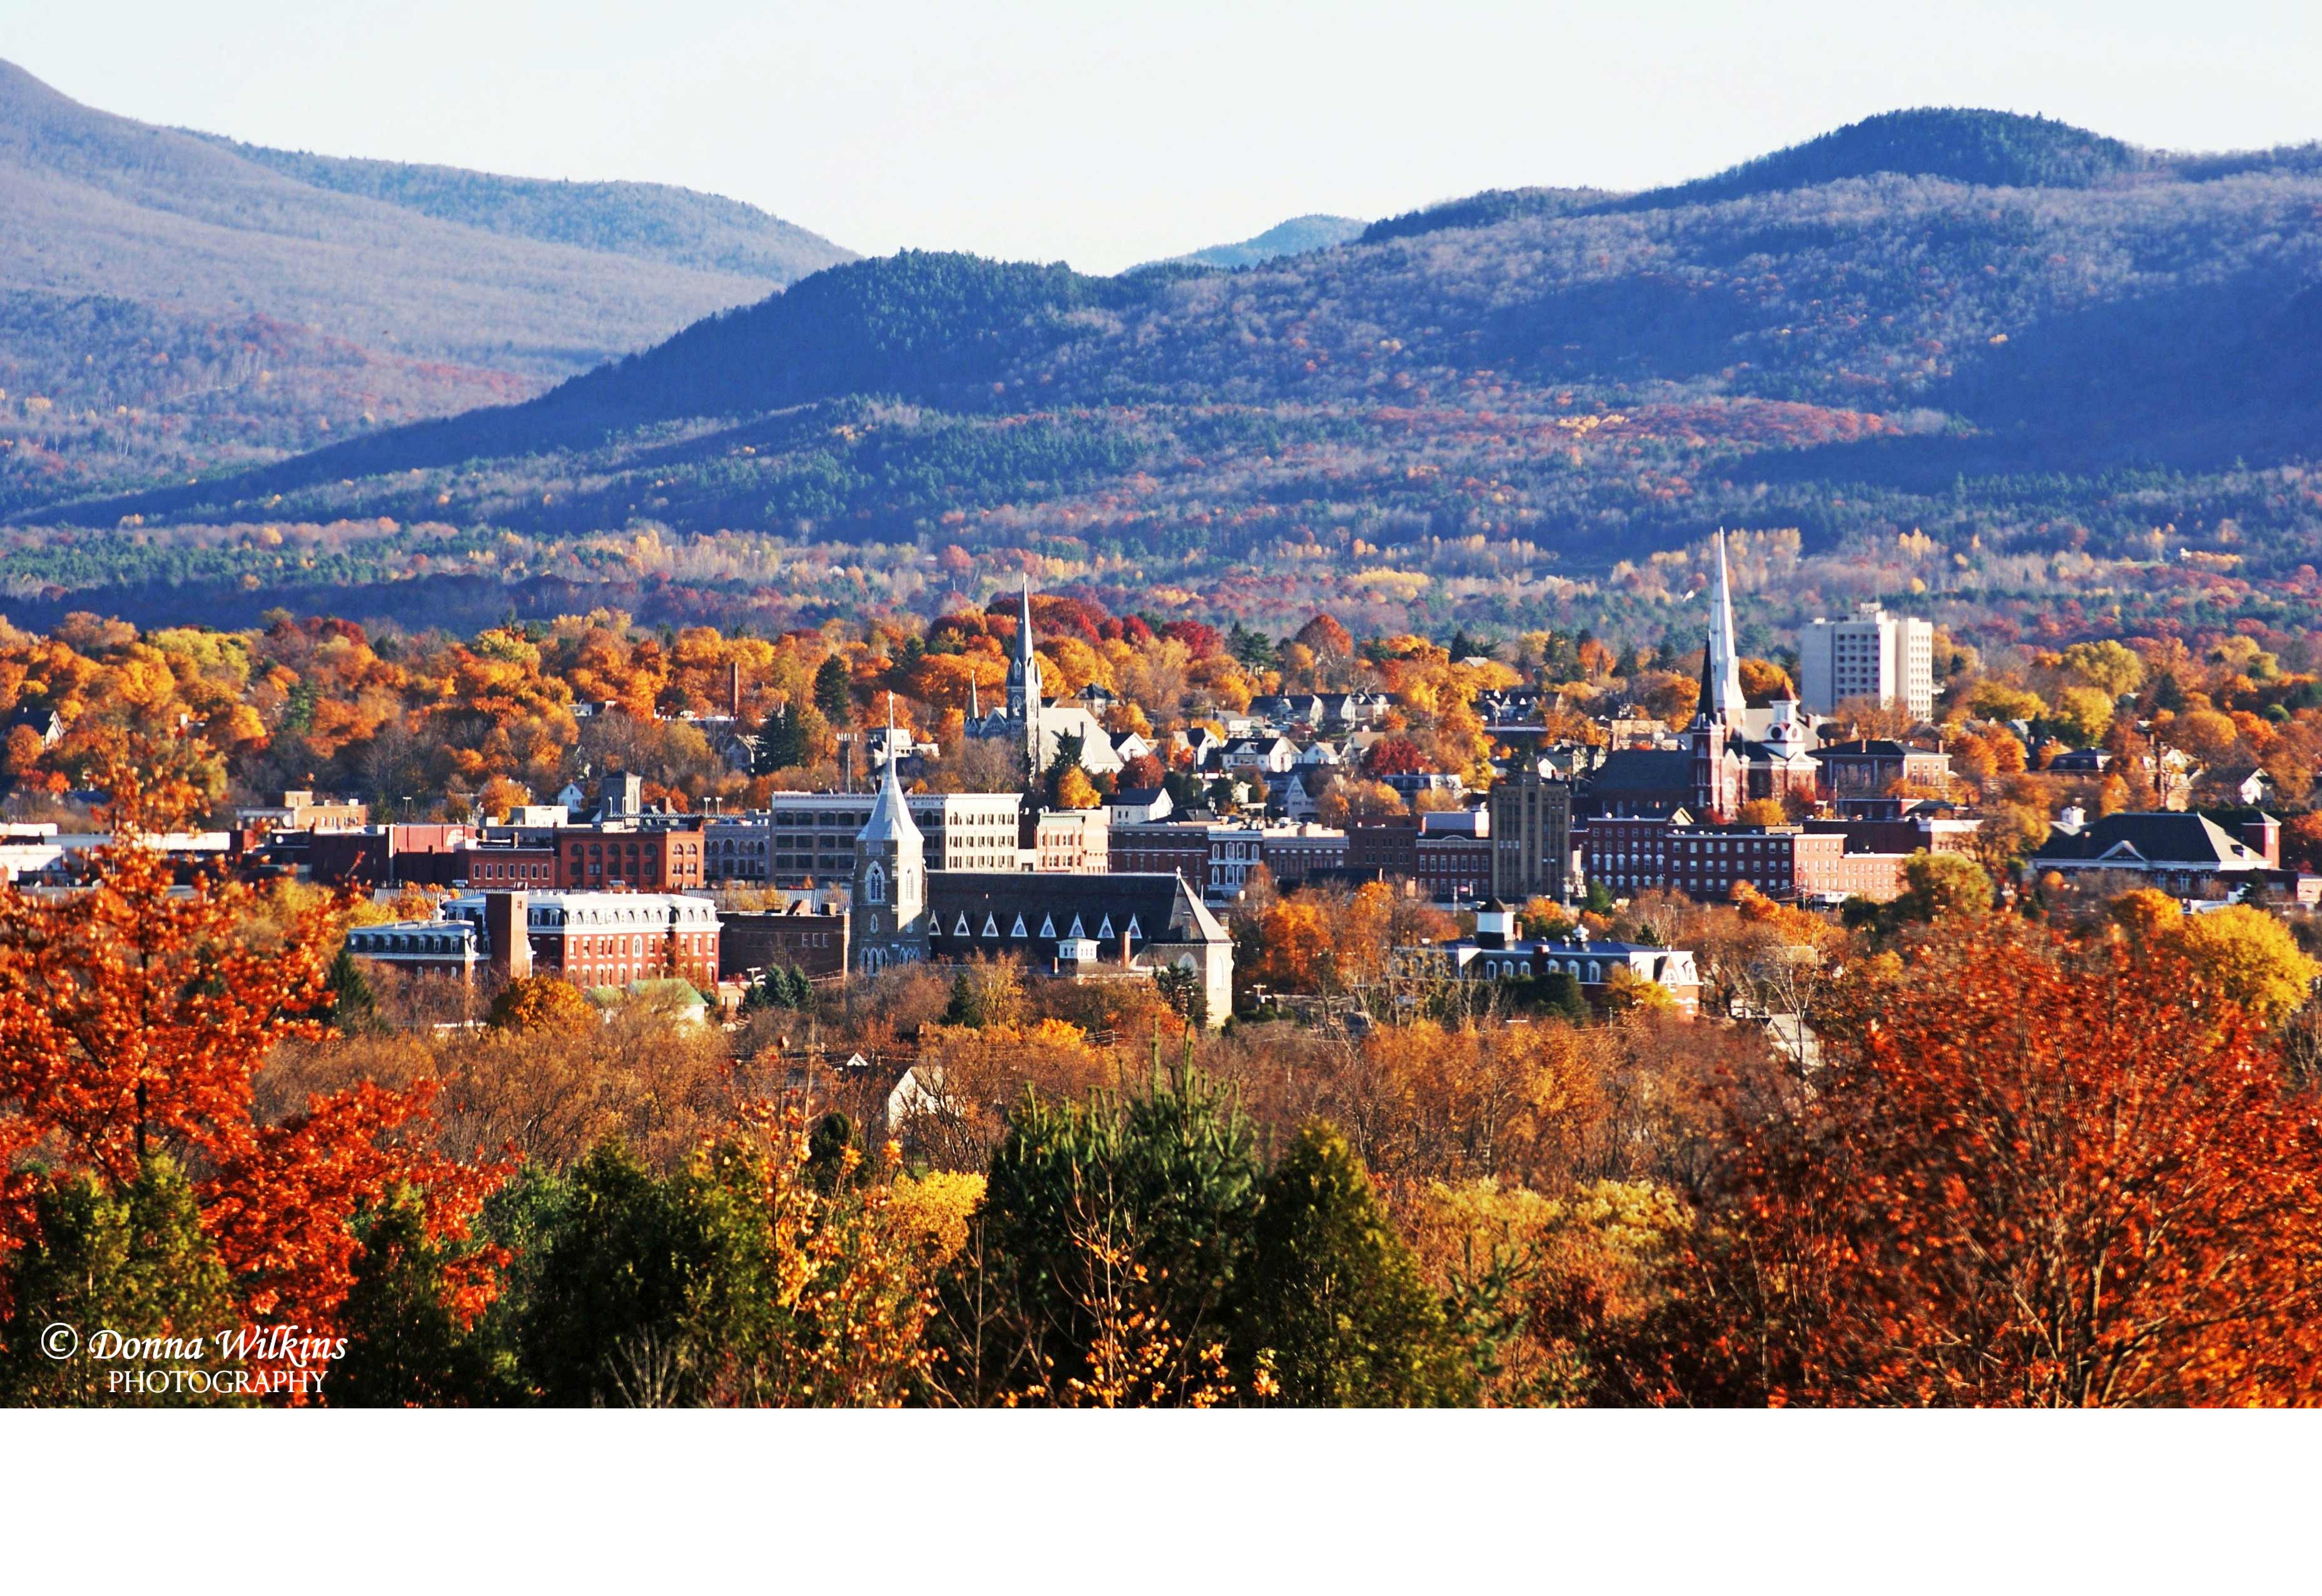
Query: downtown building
(1889,659)
(592,939)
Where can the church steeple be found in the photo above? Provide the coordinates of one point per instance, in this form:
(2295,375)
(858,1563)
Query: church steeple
(1721,663)
(1024,684)
(890,875)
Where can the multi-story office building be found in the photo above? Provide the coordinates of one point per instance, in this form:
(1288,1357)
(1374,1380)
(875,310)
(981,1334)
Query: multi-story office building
(1531,834)
(1887,659)
(801,837)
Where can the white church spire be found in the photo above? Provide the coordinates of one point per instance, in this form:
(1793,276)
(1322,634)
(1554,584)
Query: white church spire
(1721,667)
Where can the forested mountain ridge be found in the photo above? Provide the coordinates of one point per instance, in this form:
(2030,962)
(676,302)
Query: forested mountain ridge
(1468,419)
(647,221)
(437,291)
(1294,237)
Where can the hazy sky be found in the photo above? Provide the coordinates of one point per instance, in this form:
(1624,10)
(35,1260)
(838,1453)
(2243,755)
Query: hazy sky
(1106,134)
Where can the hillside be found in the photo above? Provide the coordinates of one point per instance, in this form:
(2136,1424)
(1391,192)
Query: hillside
(642,221)
(1465,419)
(1989,149)
(442,288)
(1294,237)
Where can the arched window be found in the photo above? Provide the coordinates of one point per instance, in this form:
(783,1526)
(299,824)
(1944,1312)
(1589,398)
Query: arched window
(874,885)
(1595,971)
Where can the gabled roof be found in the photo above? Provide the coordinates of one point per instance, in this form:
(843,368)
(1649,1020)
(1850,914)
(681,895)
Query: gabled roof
(2154,838)
(1644,770)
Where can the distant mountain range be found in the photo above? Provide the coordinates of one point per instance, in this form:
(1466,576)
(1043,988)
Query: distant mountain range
(1295,237)
(1966,324)
(148,269)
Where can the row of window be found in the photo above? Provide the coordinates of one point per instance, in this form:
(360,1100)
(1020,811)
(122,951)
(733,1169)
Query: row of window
(1496,968)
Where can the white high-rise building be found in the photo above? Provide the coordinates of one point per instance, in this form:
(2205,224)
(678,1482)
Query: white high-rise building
(1887,659)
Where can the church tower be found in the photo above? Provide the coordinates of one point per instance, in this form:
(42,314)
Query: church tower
(1715,738)
(1024,686)
(1721,669)
(891,880)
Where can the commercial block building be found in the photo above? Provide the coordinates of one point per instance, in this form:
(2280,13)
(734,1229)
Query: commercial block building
(809,836)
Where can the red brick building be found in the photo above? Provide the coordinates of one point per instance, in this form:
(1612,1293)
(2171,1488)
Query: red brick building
(611,858)
(595,939)
(1163,848)
(1632,855)
(798,938)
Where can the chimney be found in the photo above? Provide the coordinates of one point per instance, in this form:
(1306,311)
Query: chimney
(733,689)
(2262,833)
(1124,949)
(508,918)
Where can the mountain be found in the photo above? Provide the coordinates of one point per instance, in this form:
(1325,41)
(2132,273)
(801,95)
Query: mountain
(1989,149)
(644,221)
(1536,387)
(165,290)
(1295,237)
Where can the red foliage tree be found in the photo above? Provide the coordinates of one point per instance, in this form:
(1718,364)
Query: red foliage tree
(1200,640)
(1145,770)
(1394,756)
(2035,1171)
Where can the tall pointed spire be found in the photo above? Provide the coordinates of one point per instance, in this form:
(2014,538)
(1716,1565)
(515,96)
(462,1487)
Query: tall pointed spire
(1024,686)
(1721,665)
(891,816)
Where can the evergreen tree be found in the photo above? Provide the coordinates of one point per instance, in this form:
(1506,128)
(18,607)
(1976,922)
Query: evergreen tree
(826,1148)
(1161,1188)
(834,691)
(780,741)
(348,1002)
(1183,990)
(623,1302)
(1253,649)
(1558,993)
(1335,1299)
(132,1260)
(407,1344)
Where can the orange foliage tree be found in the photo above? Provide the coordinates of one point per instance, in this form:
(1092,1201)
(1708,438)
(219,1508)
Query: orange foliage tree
(131,1021)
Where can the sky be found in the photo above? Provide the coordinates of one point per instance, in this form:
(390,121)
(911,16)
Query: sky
(1104,134)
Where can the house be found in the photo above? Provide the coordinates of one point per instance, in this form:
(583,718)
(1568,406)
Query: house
(1298,798)
(2248,786)
(1134,806)
(1266,755)
(45,724)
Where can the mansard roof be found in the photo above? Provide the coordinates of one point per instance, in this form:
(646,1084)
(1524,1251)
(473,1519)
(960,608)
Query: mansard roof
(1162,907)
